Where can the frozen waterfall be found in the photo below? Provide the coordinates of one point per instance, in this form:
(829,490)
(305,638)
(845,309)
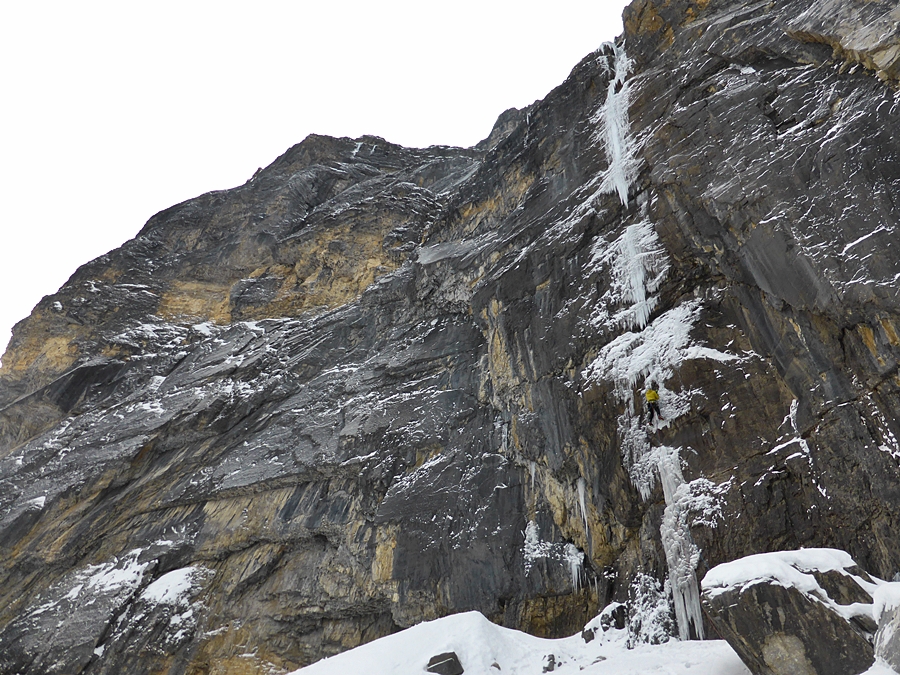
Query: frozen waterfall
(615,127)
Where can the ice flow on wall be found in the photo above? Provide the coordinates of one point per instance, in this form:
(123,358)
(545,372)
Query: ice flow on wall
(637,264)
(657,352)
(615,128)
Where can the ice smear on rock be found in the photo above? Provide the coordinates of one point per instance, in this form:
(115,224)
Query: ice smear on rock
(886,599)
(534,549)
(568,554)
(638,267)
(654,353)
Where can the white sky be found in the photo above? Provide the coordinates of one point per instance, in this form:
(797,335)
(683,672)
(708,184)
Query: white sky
(113,111)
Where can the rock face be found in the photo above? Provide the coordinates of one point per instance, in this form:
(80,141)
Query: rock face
(807,612)
(376,385)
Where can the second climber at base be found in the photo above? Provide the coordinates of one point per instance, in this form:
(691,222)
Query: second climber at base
(652,395)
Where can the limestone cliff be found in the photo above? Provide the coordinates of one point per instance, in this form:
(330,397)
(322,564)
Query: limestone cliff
(376,385)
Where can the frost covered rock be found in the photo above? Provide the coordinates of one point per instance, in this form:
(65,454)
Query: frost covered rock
(613,617)
(61,630)
(887,613)
(807,612)
(651,618)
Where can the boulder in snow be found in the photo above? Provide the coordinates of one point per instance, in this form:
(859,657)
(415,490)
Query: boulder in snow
(445,664)
(807,612)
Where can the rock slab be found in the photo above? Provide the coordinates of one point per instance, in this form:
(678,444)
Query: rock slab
(790,614)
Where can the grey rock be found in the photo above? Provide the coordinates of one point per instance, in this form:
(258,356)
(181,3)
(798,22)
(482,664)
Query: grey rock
(781,625)
(778,631)
(445,664)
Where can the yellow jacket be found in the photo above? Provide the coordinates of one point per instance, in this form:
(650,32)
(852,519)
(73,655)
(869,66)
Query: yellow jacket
(652,396)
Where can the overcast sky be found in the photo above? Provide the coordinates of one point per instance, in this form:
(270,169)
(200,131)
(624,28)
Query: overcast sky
(113,111)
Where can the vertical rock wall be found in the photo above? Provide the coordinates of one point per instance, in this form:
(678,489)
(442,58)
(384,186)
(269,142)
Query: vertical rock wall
(377,385)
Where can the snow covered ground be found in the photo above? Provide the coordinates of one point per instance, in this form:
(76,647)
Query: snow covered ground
(488,649)
(484,648)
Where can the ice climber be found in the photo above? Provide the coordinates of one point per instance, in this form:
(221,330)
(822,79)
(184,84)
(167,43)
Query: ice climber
(653,403)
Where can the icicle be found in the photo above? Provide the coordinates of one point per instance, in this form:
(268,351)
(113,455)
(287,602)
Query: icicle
(532,467)
(682,554)
(575,558)
(582,502)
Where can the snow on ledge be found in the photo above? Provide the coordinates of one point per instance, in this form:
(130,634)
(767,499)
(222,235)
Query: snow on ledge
(794,569)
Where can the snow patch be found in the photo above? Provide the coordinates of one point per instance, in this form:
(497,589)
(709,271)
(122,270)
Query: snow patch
(35,504)
(172,588)
(205,329)
(114,576)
